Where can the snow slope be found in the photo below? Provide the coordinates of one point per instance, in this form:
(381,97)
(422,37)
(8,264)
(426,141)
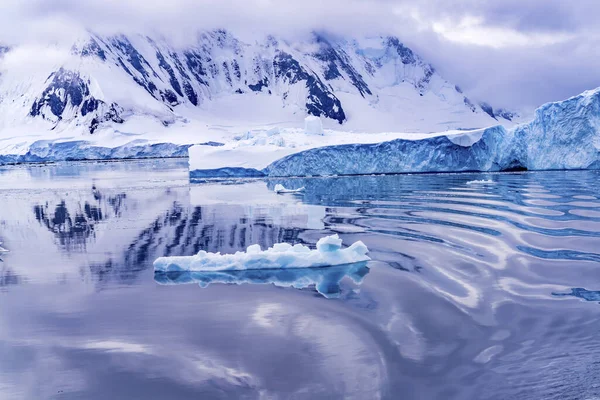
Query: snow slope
(111,91)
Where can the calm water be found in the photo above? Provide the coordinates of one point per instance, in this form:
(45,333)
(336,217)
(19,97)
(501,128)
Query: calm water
(477,290)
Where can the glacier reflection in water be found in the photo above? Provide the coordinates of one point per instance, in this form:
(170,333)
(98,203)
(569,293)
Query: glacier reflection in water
(326,280)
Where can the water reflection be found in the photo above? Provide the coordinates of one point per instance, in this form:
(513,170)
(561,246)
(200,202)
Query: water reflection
(458,302)
(325,280)
(112,235)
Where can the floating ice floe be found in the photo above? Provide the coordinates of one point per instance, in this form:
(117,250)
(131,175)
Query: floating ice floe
(329,252)
(481,182)
(281,189)
(326,280)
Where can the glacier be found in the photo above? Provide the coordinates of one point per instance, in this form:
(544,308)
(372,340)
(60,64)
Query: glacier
(563,135)
(326,280)
(51,151)
(437,154)
(329,252)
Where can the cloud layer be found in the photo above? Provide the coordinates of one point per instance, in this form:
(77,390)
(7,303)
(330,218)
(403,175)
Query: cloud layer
(509,52)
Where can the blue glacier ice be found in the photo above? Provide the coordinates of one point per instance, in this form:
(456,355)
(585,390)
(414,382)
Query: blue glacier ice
(50,150)
(325,279)
(491,152)
(563,135)
(281,256)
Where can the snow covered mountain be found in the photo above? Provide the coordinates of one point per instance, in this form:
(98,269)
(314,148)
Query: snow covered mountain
(132,85)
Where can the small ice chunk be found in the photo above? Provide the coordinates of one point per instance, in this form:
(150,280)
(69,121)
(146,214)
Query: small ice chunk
(273,131)
(281,189)
(466,139)
(253,249)
(298,248)
(329,243)
(313,125)
(480,182)
(282,255)
(281,247)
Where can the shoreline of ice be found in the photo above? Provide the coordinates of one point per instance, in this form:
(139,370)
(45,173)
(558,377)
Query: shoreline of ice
(329,252)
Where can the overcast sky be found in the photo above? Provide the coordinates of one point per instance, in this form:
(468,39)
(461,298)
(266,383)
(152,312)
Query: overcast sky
(514,53)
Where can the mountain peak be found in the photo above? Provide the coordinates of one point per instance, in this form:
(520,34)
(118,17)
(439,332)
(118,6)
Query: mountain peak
(374,83)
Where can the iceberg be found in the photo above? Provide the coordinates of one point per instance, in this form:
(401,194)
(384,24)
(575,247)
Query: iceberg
(326,280)
(329,252)
(279,188)
(313,125)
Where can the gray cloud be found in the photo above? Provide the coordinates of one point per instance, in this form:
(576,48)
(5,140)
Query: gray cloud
(545,49)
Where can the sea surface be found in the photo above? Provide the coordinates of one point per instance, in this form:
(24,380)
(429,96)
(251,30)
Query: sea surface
(481,286)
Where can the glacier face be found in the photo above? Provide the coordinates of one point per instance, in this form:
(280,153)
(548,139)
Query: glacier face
(563,135)
(494,151)
(50,151)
